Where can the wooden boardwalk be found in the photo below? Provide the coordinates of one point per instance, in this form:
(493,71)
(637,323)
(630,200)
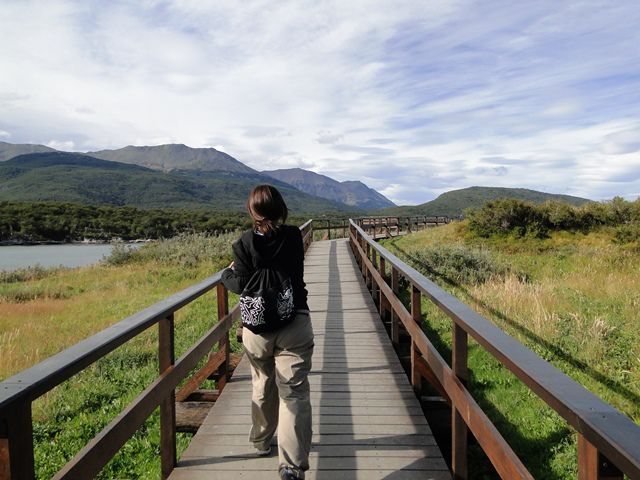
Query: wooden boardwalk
(367,422)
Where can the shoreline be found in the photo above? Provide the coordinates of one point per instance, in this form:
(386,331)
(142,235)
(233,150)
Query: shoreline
(30,243)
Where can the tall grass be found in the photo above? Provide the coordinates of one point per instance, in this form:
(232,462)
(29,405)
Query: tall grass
(572,298)
(37,322)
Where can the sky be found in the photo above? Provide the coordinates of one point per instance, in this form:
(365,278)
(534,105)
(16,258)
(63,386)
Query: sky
(414,98)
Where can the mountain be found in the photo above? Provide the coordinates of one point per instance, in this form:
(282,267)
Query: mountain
(79,178)
(353,193)
(453,203)
(175,157)
(10,150)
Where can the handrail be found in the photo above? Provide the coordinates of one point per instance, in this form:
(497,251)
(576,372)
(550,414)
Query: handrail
(44,376)
(602,428)
(19,391)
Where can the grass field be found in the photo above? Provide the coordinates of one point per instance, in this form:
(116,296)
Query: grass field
(44,311)
(571,298)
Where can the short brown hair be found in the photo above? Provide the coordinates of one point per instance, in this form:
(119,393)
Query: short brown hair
(267,208)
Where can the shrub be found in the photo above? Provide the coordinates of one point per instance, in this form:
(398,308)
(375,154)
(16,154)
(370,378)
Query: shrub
(506,216)
(26,274)
(458,264)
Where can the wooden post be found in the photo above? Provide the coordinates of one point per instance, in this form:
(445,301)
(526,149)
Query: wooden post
(459,355)
(367,279)
(328,229)
(592,465)
(416,313)
(395,321)
(382,269)
(16,443)
(166,357)
(374,285)
(223,311)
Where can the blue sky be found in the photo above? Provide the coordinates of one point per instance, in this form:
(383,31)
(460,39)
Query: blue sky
(413,98)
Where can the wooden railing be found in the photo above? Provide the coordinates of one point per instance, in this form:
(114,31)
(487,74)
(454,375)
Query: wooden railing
(393,226)
(389,226)
(608,441)
(18,392)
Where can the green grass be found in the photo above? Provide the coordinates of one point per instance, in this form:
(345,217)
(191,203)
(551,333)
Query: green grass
(41,322)
(571,298)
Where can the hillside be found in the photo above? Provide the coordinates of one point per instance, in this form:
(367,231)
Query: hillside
(79,178)
(175,157)
(353,193)
(10,150)
(454,203)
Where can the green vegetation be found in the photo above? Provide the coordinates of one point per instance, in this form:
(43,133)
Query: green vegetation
(455,202)
(519,218)
(59,307)
(45,221)
(571,297)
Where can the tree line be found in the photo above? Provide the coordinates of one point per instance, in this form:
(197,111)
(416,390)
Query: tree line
(64,222)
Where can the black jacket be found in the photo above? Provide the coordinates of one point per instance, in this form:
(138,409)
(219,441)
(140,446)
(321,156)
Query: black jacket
(282,247)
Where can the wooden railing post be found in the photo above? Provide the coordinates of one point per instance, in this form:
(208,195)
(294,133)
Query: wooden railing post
(416,313)
(382,304)
(374,285)
(16,443)
(166,357)
(395,320)
(592,465)
(367,277)
(459,355)
(223,311)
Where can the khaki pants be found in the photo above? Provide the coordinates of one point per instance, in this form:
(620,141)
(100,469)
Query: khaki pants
(281,362)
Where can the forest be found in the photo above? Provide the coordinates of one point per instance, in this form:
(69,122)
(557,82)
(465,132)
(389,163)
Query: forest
(65,222)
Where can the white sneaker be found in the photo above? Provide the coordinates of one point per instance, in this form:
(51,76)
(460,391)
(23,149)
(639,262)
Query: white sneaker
(263,453)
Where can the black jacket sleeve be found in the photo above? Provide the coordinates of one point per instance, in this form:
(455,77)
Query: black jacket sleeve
(237,277)
(297,274)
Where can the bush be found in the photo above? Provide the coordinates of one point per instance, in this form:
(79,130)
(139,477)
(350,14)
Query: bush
(185,250)
(35,272)
(120,255)
(458,264)
(505,216)
(515,217)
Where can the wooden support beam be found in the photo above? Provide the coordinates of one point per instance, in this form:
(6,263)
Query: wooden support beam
(196,380)
(416,313)
(592,465)
(395,321)
(166,357)
(225,344)
(16,446)
(459,429)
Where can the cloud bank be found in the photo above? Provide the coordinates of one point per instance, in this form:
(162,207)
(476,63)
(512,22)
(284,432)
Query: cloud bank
(413,98)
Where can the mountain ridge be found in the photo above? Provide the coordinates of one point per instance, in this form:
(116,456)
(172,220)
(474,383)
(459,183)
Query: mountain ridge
(351,192)
(80,178)
(454,202)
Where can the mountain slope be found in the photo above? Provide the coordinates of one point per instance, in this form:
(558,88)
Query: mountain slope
(11,150)
(78,178)
(453,203)
(353,193)
(175,157)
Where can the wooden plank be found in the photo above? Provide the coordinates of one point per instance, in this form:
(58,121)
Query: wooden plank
(196,380)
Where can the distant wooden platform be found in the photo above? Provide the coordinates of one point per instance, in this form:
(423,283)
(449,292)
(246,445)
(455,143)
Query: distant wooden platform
(367,422)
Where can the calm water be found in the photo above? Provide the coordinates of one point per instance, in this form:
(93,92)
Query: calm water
(70,255)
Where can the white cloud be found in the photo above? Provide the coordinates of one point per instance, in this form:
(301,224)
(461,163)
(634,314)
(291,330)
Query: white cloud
(4,134)
(417,98)
(66,145)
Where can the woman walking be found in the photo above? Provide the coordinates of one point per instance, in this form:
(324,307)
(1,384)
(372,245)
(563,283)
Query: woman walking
(280,358)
